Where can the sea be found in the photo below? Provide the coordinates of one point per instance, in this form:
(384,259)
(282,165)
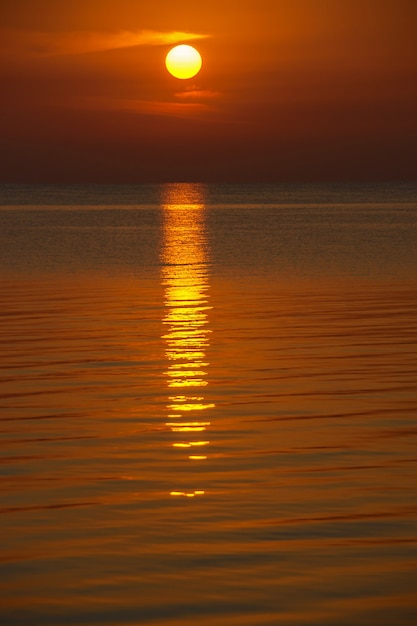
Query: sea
(208,405)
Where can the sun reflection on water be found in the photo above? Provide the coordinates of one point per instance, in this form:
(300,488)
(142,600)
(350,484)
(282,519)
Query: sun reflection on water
(185,279)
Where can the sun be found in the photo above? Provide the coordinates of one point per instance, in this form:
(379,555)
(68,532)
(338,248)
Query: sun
(183,61)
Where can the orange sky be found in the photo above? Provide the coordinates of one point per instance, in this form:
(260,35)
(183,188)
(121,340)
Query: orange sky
(290,90)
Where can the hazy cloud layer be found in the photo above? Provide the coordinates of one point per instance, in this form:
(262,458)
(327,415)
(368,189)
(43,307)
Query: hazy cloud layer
(79,42)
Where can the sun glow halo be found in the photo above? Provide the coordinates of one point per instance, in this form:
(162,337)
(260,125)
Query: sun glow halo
(183,61)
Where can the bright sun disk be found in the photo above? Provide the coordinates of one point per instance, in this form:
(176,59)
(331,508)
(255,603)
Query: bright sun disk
(183,61)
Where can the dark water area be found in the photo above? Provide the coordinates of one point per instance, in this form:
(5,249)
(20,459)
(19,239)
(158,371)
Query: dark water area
(208,408)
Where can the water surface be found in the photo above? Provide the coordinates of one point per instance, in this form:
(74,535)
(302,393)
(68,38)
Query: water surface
(208,405)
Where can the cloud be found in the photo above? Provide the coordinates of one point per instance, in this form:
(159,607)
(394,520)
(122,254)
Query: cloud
(143,107)
(197,94)
(171,109)
(80,42)
(204,105)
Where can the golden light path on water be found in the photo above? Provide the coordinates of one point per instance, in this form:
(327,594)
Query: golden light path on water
(186,283)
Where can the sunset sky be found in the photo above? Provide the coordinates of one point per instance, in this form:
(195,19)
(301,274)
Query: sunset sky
(290,90)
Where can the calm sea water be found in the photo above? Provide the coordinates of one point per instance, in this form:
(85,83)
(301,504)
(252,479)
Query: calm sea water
(208,409)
